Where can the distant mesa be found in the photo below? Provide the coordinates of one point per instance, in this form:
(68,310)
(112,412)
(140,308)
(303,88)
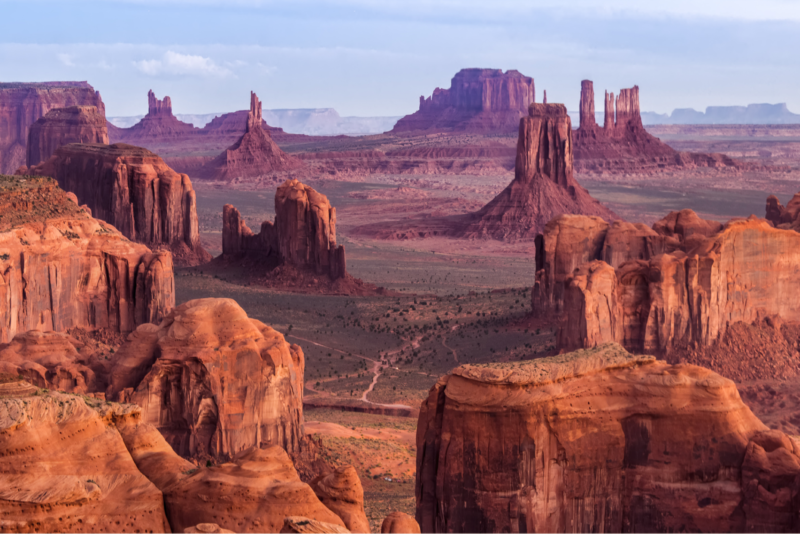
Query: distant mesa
(134,190)
(478,100)
(159,124)
(254,155)
(622,144)
(750,114)
(22,104)
(62,126)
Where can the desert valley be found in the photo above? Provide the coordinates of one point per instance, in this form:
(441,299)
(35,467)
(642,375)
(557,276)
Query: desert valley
(499,315)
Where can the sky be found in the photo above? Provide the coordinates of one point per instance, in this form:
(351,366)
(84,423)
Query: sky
(376,57)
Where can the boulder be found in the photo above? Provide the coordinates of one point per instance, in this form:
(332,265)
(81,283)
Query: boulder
(599,440)
(398,522)
(21,104)
(62,126)
(60,268)
(342,493)
(134,190)
(214,382)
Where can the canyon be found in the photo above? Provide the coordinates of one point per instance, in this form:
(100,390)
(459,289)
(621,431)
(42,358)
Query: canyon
(22,104)
(134,190)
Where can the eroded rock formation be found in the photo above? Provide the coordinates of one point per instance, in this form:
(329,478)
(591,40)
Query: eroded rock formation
(543,185)
(157,126)
(62,126)
(599,441)
(133,189)
(342,493)
(254,155)
(213,381)
(622,143)
(60,268)
(479,100)
(398,522)
(303,235)
(21,104)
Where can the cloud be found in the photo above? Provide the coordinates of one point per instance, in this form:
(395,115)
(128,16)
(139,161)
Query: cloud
(177,64)
(66,60)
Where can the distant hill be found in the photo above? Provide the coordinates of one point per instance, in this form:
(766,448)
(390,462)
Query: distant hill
(312,121)
(751,114)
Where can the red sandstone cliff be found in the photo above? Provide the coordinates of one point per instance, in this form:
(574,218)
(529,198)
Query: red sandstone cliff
(62,126)
(213,381)
(543,185)
(254,155)
(599,441)
(133,189)
(21,104)
(60,268)
(479,100)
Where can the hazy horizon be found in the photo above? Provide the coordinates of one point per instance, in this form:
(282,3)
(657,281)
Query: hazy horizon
(367,58)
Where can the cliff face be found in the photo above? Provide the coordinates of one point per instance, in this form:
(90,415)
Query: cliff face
(21,104)
(543,185)
(303,235)
(214,382)
(60,268)
(255,154)
(133,189)
(62,126)
(682,283)
(479,100)
(599,441)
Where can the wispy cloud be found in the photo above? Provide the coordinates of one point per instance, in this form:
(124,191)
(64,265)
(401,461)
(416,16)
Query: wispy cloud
(177,64)
(66,59)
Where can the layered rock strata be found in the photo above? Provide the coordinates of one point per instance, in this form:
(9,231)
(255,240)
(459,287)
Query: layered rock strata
(599,441)
(543,185)
(134,190)
(62,126)
(213,381)
(479,100)
(254,155)
(60,268)
(21,104)
(302,236)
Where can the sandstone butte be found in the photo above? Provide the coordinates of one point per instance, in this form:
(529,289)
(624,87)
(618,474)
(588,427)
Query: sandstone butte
(134,190)
(21,104)
(60,268)
(479,100)
(622,143)
(543,185)
(77,464)
(62,126)
(158,125)
(214,382)
(303,235)
(255,154)
(599,440)
(682,283)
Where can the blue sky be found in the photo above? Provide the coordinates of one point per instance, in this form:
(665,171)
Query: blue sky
(370,57)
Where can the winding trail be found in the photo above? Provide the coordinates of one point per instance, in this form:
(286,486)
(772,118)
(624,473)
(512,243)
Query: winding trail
(444,338)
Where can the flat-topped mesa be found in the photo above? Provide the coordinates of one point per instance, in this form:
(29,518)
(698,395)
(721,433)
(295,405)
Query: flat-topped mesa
(60,268)
(587,118)
(21,104)
(133,189)
(254,155)
(543,185)
(599,440)
(62,126)
(478,100)
(241,382)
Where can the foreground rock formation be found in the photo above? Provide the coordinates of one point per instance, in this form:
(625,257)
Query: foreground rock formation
(686,289)
(303,235)
(60,268)
(214,382)
(599,441)
(479,100)
(543,185)
(341,492)
(254,155)
(134,190)
(622,143)
(21,104)
(62,126)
